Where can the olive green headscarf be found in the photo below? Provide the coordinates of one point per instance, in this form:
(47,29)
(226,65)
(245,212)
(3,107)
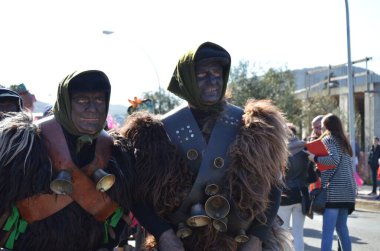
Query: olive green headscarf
(184,83)
(91,80)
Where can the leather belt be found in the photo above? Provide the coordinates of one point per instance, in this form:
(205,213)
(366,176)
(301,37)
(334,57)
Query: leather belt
(84,192)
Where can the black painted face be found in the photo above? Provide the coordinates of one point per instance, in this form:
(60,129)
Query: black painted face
(209,76)
(9,106)
(88,111)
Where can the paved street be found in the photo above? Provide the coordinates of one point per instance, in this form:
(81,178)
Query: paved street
(363,226)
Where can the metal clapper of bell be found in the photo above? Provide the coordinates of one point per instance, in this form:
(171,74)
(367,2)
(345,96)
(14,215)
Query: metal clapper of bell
(198,217)
(104,180)
(183,231)
(62,184)
(241,237)
(217,207)
(220,224)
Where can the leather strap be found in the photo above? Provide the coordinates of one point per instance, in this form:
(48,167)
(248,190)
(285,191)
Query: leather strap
(84,191)
(183,131)
(41,206)
(223,134)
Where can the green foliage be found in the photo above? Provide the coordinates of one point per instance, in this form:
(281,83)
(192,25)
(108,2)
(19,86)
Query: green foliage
(275,85)
(241,86)
(163,101)
(319,105)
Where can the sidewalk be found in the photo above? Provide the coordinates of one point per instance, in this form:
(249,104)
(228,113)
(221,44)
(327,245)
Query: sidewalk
(365,202)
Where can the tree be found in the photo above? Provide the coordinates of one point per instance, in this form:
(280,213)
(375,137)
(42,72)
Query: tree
(163,101)
(319,105)
(241,86)
(275,85)
(279,86)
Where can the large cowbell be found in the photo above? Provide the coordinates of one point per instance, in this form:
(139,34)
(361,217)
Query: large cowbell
(103,180)
(198,217)
(62,184)
(183,230)
(217,207)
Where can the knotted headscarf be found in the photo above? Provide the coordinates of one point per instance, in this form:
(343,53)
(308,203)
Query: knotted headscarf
(184,83)
(91,80)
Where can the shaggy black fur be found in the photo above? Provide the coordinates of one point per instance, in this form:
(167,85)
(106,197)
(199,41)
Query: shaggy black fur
(25,170)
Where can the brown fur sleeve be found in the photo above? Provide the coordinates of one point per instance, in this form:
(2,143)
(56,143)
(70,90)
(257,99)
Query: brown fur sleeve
(160,175)
(258,158)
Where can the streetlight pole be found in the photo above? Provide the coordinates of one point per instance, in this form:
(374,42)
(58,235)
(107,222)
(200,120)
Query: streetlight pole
(351,108)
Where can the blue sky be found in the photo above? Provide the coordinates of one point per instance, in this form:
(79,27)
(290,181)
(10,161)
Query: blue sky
(44,40)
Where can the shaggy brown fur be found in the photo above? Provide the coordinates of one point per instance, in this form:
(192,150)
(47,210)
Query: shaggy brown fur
(278,239)
(258,158)
(160,175)
(209,239)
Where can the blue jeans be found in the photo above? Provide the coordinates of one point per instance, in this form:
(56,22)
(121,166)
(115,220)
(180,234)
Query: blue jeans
(335,218)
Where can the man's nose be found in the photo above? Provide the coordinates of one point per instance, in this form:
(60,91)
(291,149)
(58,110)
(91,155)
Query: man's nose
(212,79)
(91,106)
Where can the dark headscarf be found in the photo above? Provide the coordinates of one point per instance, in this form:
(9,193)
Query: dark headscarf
(184,83)
(91,80)
(6,95)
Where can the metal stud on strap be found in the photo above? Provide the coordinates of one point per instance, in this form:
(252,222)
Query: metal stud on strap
(218,162)
(192,154)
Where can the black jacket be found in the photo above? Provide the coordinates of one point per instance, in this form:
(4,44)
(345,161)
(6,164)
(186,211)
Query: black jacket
(374,155)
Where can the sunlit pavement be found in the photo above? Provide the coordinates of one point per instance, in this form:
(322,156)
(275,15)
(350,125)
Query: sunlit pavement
(367,202)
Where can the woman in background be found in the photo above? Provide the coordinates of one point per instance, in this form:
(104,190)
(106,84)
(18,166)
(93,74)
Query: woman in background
(295,200)
(341,189)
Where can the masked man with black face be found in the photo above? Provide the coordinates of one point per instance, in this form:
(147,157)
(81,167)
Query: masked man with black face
(225,193)
(10,101)
(62,187)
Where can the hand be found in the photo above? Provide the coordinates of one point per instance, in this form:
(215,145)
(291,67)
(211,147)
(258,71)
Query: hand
(170,242)
(311,157)
(253,244)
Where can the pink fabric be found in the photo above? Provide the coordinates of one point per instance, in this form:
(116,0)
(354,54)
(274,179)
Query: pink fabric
(358,180)
(110,122)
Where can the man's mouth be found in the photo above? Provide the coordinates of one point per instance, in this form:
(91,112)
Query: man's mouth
(90,119)
(212,91)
